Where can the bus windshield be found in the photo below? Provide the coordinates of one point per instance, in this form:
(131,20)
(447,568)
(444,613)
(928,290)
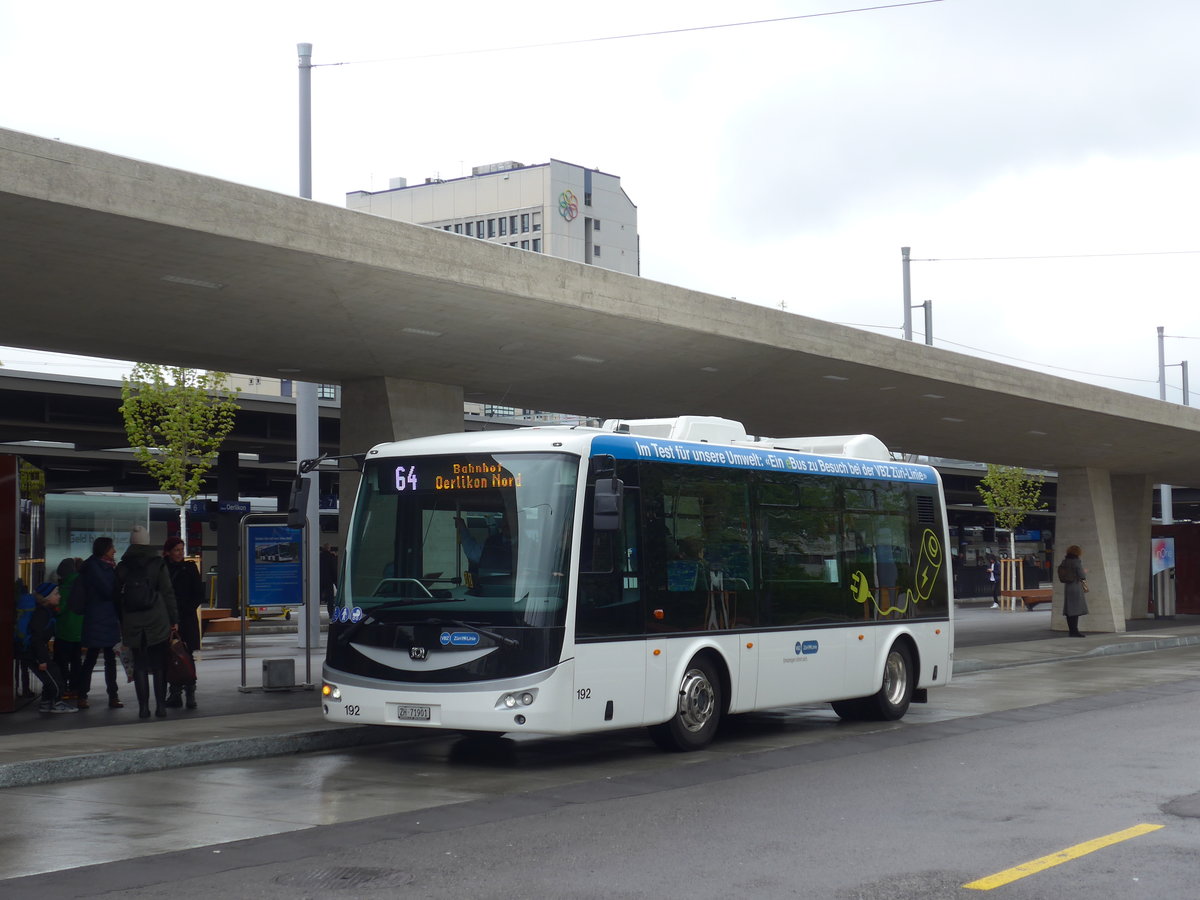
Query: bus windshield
(478,537)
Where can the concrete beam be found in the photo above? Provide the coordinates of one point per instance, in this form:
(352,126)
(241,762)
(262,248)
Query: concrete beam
(379,410)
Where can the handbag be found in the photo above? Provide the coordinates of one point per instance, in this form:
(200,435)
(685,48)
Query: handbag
(125,655)
(180,667)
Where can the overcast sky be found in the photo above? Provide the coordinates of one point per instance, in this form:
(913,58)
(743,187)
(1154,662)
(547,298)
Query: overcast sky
(782,163)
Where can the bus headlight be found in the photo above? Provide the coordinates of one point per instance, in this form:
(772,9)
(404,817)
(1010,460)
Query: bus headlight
(521,698)
(331,692)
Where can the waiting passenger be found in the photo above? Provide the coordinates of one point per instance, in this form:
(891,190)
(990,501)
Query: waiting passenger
(41,630)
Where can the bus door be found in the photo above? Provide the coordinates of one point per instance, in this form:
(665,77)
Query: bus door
(611,683)
(879,568)
(802,647)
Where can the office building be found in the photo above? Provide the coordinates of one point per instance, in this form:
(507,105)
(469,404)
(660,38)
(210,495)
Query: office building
(556,208)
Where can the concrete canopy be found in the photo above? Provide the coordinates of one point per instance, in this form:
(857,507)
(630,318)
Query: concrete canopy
(107,256)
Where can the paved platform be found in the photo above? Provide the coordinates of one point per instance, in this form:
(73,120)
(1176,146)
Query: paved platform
(236,724)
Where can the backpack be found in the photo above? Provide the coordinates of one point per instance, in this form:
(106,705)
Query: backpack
(1065,573)
(22,638)
(139,586)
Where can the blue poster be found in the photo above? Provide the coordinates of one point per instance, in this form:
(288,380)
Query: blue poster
(274,565)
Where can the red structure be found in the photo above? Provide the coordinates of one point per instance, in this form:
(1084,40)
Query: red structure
(1187,565)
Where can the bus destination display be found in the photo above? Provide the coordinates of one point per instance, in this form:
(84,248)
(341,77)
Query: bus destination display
(434,474)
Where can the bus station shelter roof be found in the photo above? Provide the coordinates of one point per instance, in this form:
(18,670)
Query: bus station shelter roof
(107,256)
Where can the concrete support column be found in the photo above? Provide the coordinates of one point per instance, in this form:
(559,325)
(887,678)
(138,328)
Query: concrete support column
(228,533)
(1133,501)
(375,410)
(1086,516)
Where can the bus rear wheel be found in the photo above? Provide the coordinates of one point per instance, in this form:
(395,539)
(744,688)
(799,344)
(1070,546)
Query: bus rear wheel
(892,699)
(697,712)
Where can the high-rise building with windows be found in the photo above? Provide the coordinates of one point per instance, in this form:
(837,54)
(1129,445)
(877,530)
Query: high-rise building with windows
(556,208)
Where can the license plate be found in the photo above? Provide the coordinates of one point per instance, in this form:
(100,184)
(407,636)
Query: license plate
(413,713)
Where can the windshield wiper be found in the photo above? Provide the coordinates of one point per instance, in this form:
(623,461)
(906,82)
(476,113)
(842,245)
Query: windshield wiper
(498,638)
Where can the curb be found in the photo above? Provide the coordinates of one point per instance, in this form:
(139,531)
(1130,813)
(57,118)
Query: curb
(967,666)
(174,756)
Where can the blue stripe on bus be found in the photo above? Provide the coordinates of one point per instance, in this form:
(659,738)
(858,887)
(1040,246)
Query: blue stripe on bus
(747,457)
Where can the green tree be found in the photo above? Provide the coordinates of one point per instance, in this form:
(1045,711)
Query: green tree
(1010,494)
(176,420)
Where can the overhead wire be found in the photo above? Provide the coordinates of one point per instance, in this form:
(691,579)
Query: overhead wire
(1028,362)
(623,37)
(1056,256)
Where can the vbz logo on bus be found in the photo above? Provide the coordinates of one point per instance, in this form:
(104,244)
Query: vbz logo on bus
(806,647)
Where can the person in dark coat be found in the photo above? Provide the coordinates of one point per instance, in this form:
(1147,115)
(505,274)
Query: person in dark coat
(1075,590)
(101,619)
(189,594)
(993,573)
(67,629)
(146,631)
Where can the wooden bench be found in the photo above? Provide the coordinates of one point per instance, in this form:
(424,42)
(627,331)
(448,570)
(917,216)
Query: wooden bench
(1030,598)
(210,617)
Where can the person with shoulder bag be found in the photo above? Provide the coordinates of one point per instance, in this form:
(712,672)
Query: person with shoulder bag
(1072,574)
(189,594)
(149,617)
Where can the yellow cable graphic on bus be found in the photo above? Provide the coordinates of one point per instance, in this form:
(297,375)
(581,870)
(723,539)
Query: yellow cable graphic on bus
(929,563)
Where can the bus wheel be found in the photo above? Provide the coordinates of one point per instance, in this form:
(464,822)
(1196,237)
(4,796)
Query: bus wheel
(850,710)
(697,713)
(892,700)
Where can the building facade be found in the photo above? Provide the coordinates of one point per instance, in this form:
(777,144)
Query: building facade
(556,208)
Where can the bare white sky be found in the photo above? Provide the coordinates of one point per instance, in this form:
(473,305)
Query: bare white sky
(782,163)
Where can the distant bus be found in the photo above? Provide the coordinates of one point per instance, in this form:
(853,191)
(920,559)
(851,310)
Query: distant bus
(285,552)
(661,573)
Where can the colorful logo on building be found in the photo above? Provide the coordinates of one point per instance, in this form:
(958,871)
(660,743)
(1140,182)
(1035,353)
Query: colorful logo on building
(568,205)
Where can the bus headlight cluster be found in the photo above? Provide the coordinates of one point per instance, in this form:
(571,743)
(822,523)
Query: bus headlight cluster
(515,699)
(331,692)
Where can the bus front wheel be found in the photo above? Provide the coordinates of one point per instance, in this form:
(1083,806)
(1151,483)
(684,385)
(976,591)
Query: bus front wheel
(697,712)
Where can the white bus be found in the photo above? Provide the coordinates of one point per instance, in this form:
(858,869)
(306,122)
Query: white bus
(661,573)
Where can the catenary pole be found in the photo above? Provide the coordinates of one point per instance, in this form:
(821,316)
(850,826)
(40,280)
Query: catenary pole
(1165,494)
(307,442)
(907,294)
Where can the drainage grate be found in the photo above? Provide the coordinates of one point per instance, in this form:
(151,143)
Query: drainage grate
(342,878)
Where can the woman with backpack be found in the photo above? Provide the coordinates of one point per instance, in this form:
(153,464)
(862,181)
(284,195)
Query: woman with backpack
(148,617)
(1072,573)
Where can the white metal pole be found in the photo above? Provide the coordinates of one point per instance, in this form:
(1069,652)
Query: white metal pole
(907,294)
(307,443)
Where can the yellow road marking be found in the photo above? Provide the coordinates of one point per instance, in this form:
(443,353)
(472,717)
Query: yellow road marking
(1057,859)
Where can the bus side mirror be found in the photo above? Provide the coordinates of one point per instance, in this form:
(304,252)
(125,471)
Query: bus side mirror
(607,504)
(297,514)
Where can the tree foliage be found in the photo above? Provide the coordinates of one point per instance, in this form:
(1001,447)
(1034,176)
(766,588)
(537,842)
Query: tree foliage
(1010,494)
(176,420)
